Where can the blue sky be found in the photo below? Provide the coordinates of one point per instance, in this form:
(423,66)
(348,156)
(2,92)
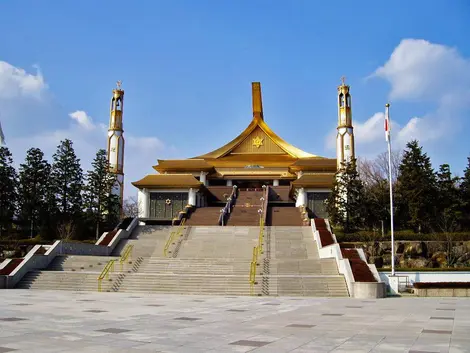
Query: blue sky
(187,66)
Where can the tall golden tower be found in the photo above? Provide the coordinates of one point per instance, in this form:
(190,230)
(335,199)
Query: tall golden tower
(345,150)
(116,141)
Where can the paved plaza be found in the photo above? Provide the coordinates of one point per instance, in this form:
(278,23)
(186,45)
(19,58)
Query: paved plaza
(60,321)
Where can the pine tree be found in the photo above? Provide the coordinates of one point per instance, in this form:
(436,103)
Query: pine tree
(346,204)
(8,189)
(67,181)
(33,188)
(448,205)
(465,196)
(416,188)
(101,205)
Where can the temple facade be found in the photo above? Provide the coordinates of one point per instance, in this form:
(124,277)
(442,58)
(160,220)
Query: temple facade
(255,159)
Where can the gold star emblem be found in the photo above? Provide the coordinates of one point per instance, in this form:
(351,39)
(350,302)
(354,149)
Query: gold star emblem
(258,142)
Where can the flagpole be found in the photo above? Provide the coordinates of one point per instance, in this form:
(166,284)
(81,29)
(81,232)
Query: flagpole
(387,132)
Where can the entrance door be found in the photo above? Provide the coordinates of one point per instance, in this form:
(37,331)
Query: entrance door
(316,203)
(167,205)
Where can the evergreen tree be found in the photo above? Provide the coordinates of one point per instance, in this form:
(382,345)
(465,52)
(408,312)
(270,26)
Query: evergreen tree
(377,204)
(101,205)
(346,204)
(465,196)
(416,188)
(8,189)
(33,188)
(67,181)
(448,205)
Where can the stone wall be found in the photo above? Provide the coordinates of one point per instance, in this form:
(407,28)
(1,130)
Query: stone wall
(442,292)
(418,254)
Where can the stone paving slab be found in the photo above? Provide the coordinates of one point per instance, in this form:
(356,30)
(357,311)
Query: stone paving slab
(59,321)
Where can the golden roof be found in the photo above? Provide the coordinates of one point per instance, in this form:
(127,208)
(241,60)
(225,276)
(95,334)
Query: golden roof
(167,181)
(256,145)
(318,164)
(186,164)
(257,122)
(315,180)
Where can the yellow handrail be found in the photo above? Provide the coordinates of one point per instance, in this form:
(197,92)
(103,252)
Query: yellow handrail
(126,254)
(105,273)
(173,235)
(253,264)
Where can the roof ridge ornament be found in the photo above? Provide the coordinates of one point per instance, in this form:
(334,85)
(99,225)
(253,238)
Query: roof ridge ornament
(257,100)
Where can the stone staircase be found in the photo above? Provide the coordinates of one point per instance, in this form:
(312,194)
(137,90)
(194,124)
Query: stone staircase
(80,273)
(210,260)
(284,216)
(292,267)
(204,216)
(77,273)
(245,211)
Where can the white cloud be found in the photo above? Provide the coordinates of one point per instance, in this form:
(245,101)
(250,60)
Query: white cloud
(16,82)
(419,71)
(83,119)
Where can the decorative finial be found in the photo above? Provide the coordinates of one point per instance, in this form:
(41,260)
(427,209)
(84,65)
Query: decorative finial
(387,105)
(343,79)
(118,84)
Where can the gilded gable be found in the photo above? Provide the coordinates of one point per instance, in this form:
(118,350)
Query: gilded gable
(257,142)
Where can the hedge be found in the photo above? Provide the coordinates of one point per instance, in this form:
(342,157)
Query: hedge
(425,269)
(406,235)
(432,285)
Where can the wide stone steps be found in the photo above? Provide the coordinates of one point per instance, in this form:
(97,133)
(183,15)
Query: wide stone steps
(63,280)
(79,263)
(186,284)
(311,286)
(304,267)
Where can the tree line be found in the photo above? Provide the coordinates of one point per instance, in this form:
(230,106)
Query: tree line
(58,199)
(425,200)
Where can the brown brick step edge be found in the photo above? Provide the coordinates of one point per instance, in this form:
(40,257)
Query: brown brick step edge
(14,263)
(326,238)
(108,238)
(360,269)
(435,285)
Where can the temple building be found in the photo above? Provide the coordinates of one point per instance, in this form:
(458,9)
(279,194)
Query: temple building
(254,160)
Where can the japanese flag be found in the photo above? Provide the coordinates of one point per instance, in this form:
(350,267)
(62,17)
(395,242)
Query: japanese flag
(387,123)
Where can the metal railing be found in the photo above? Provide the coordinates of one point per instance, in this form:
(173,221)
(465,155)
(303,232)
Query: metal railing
(127,253)
(228,206)
(105,273)
(173,235)
(253,264)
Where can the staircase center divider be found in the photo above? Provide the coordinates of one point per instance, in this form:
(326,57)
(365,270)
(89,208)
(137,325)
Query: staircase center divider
(173,235)
(224,212)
